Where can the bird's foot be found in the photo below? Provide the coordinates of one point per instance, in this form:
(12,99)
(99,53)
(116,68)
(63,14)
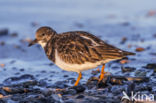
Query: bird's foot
(102,76)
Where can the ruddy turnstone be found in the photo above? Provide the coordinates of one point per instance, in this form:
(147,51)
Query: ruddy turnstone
(77,51)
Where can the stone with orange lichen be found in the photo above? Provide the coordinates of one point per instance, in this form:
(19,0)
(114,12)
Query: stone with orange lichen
(1,96)
(7,89)
(2,65)
(139,49)
(124,61)
(129,46)
(151,13)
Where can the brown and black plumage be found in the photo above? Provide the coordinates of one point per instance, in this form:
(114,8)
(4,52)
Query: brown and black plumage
(77,50)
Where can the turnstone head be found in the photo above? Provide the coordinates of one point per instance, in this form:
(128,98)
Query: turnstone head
(77,50)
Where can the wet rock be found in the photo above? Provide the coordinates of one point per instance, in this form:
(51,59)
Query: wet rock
(43,71)
(150,66)
(12,62)
(65,76)
(124,61)
(14,90)
(142,87)
(79,25)
(92,82)
(128,69)
(34,24)
(1,96)
(151,13)
(95,72)
(80,96)
(22,69)
(72,80)
(125,24)
(4,32)
(78,88)
(140,73)
(17,73)
(59,84)
(139,49)
(14,34)
(116,81)
(42,83)
(123,41)
(24,80)
(2,43)
(68,92)
(138,79)
(154,54)
(2,65)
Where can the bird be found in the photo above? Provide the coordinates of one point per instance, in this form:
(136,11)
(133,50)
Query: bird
(77,51)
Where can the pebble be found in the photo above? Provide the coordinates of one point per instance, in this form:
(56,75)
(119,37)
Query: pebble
(2,65)
(4,32)
(2,43)
(14,34)
(150,66)
(140,73)
(139,49)
(128,69)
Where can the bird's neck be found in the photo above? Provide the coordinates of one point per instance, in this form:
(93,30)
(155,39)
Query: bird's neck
(43,44)
(49,49)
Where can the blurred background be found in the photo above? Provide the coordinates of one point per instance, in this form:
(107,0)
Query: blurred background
(127,24)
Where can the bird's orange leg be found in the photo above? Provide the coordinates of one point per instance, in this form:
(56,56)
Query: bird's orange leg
(102,73)
(78,79)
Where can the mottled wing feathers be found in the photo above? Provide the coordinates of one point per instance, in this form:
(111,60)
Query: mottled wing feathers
(79,47)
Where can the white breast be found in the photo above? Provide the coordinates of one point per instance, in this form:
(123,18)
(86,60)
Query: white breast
(76,67)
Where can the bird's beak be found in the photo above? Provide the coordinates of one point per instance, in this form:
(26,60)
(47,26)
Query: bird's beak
(33,42)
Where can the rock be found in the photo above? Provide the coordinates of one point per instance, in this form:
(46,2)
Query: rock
(59,84)
(14,34)
(140,73)
(79,25)
(34,24)
(24,80)
(95,72)
(124,61)
(139,49)
(2,65)
(4,32)
(150,66)
(80,96)
(138,79)
(79,88)
(14,90)
(42,83)
(1,96)
(153,53)
(22,69)
(12,61)
(125,24)
(128,69)
(123,41)
(2,43)
(69,92)
(65,76)
(151,13)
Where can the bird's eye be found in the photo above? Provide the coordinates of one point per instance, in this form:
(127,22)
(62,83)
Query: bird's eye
(43,34)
